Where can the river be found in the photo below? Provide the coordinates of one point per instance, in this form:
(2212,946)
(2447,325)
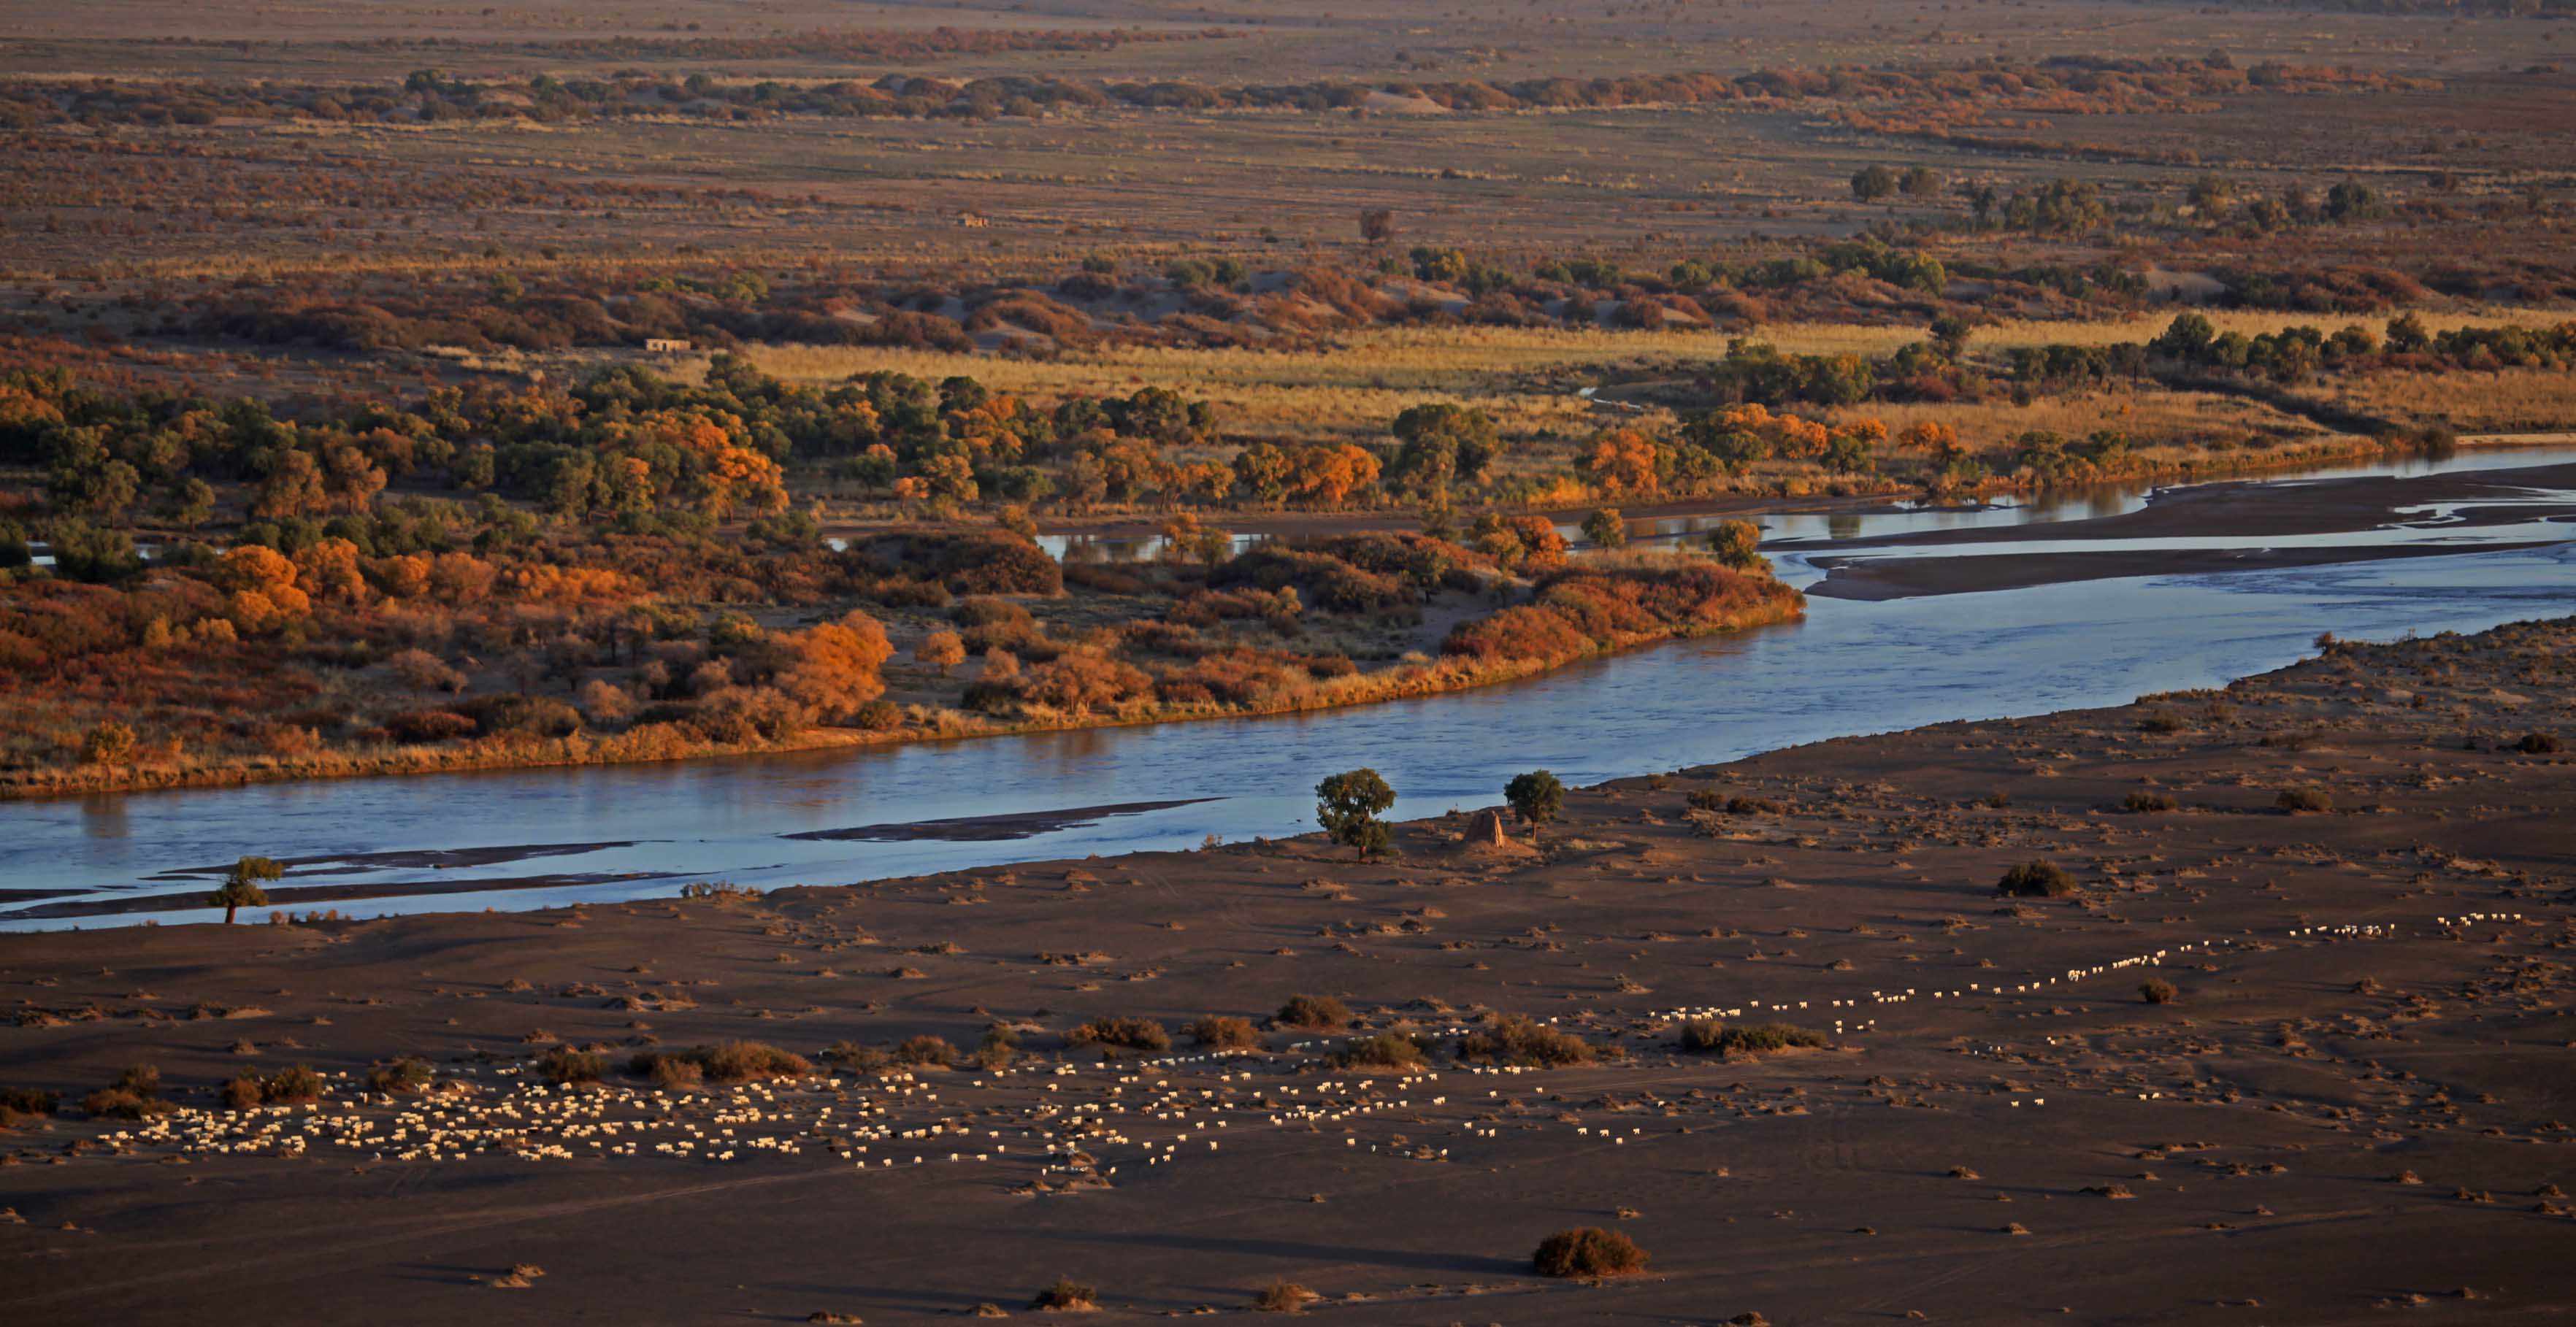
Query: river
(1852,667)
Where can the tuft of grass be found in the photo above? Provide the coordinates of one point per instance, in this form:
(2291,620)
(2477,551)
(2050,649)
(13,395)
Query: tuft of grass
(1588,1251)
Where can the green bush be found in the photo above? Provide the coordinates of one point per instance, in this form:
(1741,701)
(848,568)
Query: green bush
(1588,1251)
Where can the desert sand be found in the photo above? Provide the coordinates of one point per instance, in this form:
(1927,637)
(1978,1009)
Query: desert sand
(2353,1107)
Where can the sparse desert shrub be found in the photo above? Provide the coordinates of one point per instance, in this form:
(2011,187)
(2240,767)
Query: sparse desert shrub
(1224,1033)
(241,1092)
(2156,990)
(2538,744)
(135,1094)
(2161,721)
(22,1103)
(2147,802)
(1588,1251)
(1513,1039)
(2036,880)
(1283,1297)
(1314,1013)
(563,1064)
(925,1050)
(1138,1034)
(2305,798)
(856,1058)
(1386,1050)
(403,1075)
(1708,1036)
(723,1062)
(1067,1296)
(291,1085)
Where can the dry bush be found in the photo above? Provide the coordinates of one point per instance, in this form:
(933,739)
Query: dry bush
(2303,799)
(563,1064)
(925,1050)
(1313,1013)
(402,1075)
(2036,880)
(1709,1036)
(1067,1296)
(1588,1251)
(1137,1034)
(1514,1039)
(723,1062)
(1386,1050)
(1224,1033)
(1283,1297)
(2156,990)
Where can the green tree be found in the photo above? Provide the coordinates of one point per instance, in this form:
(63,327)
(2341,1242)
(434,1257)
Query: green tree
(1536,797)
(1871,183)
(1606,528)
(1347,806)
(1921,182)
(241,886)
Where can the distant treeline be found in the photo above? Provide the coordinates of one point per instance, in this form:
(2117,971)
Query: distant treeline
(2064,84)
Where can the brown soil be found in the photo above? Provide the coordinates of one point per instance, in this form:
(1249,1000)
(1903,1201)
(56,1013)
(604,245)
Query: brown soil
(2363,995)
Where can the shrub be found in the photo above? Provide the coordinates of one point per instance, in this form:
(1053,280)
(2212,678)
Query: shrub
(292,1084)
(2538,744)
(1067,1295)
(1139,1034)
(1588,1251)
(2036,880)
(857,1058)
(1513,1039)
(724,1062)
(1220,1032)
(563,1064)
(1314,1013)
(241,1092)
(403,1075)
(1709,1036)
(1283,1297)
(1386,1050)
(925,1050)
(18,1103)
(2143,802)
(2156,990)
(135,1094)
(2306,797)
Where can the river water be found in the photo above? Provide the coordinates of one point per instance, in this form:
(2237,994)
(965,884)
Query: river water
(1851,667)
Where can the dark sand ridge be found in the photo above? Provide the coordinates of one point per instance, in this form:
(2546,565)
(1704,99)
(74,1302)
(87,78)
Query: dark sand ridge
(2254,511)
(2259,1125)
